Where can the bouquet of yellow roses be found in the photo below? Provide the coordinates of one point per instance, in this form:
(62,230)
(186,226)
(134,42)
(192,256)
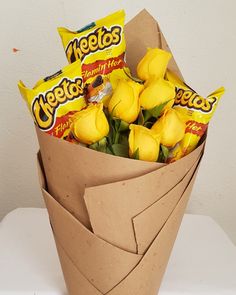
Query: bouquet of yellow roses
(121,138)
(142,120)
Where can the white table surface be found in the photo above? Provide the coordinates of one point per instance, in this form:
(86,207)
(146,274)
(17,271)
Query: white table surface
(203,260)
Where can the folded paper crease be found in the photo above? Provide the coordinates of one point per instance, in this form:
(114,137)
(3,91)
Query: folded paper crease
(111,211)
(106,281)
(95,258)
(146,224)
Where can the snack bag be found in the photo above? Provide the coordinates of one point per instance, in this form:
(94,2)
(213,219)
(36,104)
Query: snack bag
(54,99)
(101,48)
(195,111)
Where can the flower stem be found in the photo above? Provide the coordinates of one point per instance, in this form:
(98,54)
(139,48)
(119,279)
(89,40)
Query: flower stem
(117,137)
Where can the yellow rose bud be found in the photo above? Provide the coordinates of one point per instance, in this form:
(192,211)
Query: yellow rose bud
(146,141)
(153,64)
(170,127)
(156,93)
(90,125)
(124,103)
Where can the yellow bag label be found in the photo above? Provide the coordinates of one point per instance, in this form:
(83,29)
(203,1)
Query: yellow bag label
(54,99)
(101,48)
(196,111)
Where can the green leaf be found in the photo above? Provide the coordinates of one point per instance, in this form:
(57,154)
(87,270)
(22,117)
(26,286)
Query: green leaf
(120,150)
(108,151)
(124,138)
(116,127)
(94,146)
(124,126)
(141,118)
(116,137)
(156,111)
(112,132)
(102,149)
(109,136)
(146,115)
(116,124)
(100,145)
(163,155)
(102,142)
(136,154)
(120,125)
(165,151)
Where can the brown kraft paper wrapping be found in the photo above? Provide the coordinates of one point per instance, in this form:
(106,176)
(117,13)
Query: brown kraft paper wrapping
(69,168)
(99,266)
(119,202)
(114,219)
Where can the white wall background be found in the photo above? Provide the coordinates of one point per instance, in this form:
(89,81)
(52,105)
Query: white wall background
(202,36)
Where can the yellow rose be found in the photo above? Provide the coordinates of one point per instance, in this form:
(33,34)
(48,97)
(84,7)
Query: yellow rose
(146,141)
(90,125)
(153,64)
(124,103)
(156,93)
(170,127)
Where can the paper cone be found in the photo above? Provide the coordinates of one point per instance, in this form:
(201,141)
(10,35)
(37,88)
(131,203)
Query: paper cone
(114,219)
(99,266)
